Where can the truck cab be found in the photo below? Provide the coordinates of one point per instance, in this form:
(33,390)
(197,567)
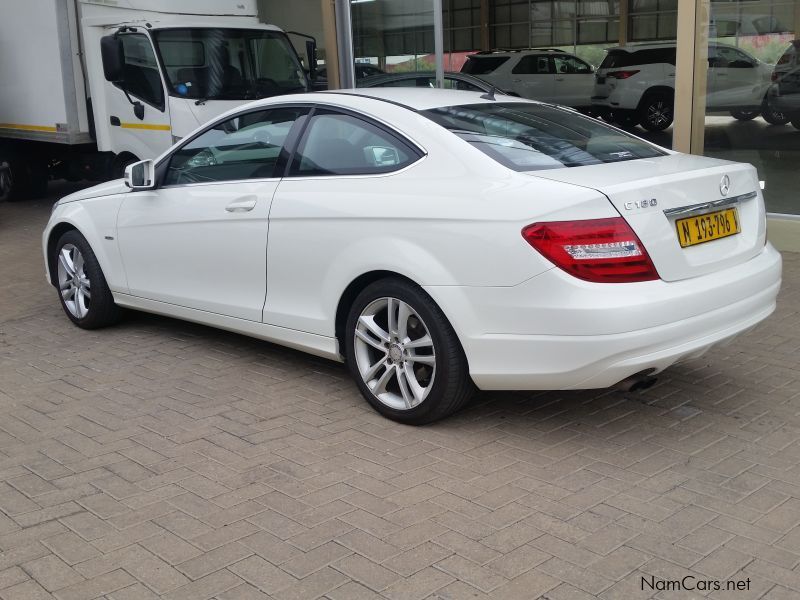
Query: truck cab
(136,76)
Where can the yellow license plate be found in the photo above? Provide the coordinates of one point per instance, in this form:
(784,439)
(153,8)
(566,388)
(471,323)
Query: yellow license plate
(708,227)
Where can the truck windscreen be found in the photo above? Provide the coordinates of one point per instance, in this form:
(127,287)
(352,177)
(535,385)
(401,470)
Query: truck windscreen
(229,64)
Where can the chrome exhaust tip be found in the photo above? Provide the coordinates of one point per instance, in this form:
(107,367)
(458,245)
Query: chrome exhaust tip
(637,382)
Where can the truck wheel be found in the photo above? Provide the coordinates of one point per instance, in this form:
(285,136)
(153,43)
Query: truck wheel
(121,163)
(37,180)
(744,115)
(7,178)
(655,112)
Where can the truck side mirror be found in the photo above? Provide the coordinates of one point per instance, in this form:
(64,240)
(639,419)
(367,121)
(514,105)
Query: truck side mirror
(141,175)
(113,54)
(311,53)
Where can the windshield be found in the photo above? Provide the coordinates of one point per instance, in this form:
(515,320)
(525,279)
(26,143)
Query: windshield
(532,137)
(229,64)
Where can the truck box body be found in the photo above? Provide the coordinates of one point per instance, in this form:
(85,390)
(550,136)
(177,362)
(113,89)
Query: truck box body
(89,87)
(42,91)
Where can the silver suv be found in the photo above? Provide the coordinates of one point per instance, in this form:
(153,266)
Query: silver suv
(545,74)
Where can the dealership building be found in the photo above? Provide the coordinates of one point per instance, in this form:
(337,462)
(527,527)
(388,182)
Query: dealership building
(723,59)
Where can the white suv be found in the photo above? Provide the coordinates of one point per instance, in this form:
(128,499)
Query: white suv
(545,74)
(636,84)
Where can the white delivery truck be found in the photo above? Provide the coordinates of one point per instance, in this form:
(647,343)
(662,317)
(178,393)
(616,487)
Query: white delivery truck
(88,87)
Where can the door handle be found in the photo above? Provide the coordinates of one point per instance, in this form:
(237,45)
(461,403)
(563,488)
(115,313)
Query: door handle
(559,79)
(244,204)
(722,74)
(517,80)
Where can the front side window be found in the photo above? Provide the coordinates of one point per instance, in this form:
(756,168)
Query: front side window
(248,146)
(532,137)
(229,64)
(341,144)
(533,65)
(141,76)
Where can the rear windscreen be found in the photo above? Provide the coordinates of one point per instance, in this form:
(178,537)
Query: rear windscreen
(483,65)
(530,137)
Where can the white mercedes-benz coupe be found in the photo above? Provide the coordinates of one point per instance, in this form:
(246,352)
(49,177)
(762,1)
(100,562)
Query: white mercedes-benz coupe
(433,240)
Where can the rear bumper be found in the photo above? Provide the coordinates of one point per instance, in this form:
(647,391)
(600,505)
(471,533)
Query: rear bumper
(557,332)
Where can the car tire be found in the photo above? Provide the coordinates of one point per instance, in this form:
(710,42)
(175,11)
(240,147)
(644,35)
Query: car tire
(81,285)
(744,115)
(414,371)
(796,122)
(773,116)
(656,112)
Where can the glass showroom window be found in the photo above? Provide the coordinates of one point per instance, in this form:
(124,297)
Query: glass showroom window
(753,93)
(392,37)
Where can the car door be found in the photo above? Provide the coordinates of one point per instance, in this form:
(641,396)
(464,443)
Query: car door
(533,78)
(200,239)
(733,79)
(338,186)
(573,81)
(148,133)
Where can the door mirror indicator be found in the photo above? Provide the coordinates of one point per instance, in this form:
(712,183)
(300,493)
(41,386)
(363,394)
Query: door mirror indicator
(141,175)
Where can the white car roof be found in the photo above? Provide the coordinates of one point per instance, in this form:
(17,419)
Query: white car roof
(417,98)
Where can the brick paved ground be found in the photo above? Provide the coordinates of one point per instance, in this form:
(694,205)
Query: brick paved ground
(160,458)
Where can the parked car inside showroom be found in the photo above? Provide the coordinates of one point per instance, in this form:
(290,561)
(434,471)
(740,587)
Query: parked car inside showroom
(784,93)
(544,74)
(434,240)
(635,84)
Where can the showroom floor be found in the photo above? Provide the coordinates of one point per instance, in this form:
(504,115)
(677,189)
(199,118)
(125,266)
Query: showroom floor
(160,458)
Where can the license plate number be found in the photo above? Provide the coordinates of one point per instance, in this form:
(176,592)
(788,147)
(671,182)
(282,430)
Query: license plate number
(708,227)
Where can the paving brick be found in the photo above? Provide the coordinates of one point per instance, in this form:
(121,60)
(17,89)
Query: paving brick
(164,459)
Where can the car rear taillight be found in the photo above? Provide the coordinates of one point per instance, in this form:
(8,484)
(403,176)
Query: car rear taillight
(599,250)
(621,74)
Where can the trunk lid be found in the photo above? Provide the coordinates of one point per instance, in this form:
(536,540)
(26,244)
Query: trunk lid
(679,181)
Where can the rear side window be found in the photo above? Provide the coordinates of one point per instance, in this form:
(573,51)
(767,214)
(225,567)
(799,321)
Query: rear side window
(482,65)
(533,137)
(789,56)
(341,144)
(619,59)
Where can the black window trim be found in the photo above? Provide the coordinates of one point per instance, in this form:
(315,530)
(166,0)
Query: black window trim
(162,165)
(416,150)
(159,67)
(292,141)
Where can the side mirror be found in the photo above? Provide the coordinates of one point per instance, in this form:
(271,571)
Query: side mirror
(141,175)
(113,55)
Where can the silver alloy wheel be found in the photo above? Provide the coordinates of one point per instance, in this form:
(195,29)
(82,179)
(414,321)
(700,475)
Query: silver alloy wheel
(394,353)
(73,282)
(659,113)
(6,178)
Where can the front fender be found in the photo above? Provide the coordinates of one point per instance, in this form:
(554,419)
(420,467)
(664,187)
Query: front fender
(96,220)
